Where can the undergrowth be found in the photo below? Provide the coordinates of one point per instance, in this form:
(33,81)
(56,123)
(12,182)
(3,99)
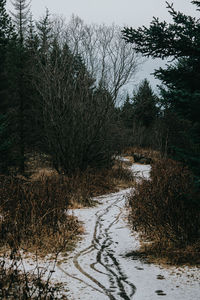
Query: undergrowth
(146,152)
(34,219)
(166,209)
(34,210)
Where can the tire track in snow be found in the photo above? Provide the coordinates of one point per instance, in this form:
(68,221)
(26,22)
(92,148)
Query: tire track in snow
(119,286)
(114,271)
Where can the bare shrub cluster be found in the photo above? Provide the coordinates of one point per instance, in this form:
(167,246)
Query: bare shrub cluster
(33,218)
(16,284)
(32,210)
(83,185)
(166,208)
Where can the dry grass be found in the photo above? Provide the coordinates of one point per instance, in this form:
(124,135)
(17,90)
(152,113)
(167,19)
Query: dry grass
(92,183)
(167,210)
(146,152)
(81,187)
(34,214)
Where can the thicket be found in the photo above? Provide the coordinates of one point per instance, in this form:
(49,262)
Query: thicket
(166,209)
(33,210)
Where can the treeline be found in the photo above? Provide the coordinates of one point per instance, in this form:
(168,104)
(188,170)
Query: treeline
(59,84)
(141,117)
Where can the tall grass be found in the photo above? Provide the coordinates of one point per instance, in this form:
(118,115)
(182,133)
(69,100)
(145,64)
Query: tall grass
(34,210)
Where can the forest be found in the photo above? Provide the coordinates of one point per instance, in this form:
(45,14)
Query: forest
(66,121)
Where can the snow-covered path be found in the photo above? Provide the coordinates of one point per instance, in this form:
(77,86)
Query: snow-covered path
(99,268)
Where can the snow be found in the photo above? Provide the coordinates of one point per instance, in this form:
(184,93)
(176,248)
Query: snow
(141,171)
(122,159)
(99,269)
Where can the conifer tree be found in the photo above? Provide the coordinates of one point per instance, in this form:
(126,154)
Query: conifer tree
(45,36)
(7,38)
(144,105)
(126,113)
(179,40)
(6,35)
(20,18)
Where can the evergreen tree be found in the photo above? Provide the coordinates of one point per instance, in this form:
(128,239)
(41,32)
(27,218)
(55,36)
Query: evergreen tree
(45,36)
(181,95)
(20,18)
(126,113)
(5,145)
(145,111)
(33,113)
(7,38)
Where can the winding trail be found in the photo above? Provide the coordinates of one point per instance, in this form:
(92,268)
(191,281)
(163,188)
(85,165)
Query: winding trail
(99,267)
(97,263)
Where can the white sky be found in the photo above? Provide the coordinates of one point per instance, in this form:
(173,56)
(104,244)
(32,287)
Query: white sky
(122,12)
(130,12)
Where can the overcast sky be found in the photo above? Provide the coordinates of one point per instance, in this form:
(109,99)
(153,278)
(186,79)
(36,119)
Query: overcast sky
(122,12)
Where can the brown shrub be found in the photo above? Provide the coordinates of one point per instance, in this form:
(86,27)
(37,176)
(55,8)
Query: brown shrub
(146,152)
(167,207)
(83,186)
(32,210)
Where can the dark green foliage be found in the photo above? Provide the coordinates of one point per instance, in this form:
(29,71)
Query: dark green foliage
(144,105)
(7,39)
(6,36)
(22,60)
(181,94)
(139,116)
(44,35)
(126,113)
(51,101)
(178,39)
(5,145)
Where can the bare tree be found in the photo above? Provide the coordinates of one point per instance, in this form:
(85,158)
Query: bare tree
(79,81)
(107,56)
(77,116)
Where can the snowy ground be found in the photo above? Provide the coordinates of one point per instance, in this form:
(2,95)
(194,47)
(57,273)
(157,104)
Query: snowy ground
(99,268)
